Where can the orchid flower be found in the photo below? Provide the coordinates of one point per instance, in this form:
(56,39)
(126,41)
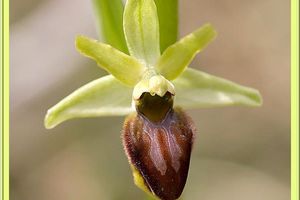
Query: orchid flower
(151,83)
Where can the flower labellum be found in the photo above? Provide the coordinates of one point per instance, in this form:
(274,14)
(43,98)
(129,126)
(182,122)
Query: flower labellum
(158,142)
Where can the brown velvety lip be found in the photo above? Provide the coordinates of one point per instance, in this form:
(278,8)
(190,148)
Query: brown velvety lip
(160,151)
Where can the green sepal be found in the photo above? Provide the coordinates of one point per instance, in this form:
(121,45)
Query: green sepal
(178,56)
(141,28)
(109,15)
(125,68)
(105,96)
(196,89)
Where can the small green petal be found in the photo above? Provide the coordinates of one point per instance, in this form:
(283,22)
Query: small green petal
(105,96)
(178,56)
(195,89)
(141,30)
(125,68)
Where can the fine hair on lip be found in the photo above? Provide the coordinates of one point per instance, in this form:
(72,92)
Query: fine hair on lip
(160,151)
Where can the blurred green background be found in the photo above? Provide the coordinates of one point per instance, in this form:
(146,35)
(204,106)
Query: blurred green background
(239,153)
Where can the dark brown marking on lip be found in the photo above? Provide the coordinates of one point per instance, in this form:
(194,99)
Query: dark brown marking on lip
(160,150)
(154,108)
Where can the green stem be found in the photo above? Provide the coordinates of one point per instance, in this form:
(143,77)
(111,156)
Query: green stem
(109,15)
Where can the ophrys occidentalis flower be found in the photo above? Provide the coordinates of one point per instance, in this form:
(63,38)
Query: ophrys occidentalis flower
(151,84)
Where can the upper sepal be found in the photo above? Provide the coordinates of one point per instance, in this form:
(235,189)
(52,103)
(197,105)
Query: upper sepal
(141,28)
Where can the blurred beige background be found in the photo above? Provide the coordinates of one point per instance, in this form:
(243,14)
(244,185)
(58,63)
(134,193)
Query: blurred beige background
(240,153)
